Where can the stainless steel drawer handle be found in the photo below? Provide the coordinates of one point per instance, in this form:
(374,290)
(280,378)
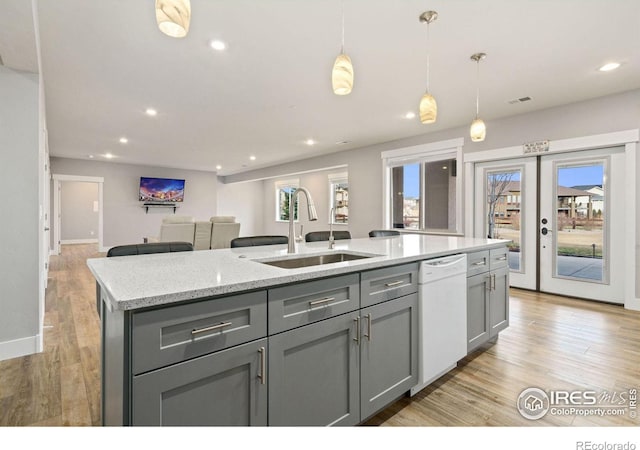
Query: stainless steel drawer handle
(357,338)
(211,328)
(263,365)
(394,283)
(502,258)
(321,301)
(368,335)
(480,263)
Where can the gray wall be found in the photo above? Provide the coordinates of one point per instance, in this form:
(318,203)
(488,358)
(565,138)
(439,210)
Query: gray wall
(601,115)
(78,219)
(19,230)
(238,199)
(125,221)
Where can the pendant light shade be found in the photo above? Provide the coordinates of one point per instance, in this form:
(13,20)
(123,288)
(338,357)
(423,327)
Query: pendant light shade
(428,105)
(478,130)
(342,75)
(428,109)
(173,17)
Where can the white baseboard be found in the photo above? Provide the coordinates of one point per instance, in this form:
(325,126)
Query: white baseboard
(20,347)
(79,241)
(633,304)
(52,252)
(103,249)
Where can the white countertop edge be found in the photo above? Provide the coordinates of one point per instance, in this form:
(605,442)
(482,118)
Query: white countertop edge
(287,276)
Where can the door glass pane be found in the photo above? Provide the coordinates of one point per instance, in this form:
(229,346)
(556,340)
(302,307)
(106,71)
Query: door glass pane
(440,195)
(580,222)
(405,182)
(503,212)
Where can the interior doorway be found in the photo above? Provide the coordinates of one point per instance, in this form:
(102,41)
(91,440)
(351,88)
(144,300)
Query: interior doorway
(57,221)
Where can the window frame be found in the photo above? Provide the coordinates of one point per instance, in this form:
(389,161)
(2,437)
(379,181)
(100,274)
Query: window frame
(280,185)
(335,179)
(421,154)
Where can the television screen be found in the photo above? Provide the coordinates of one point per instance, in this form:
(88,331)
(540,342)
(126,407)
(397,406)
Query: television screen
(161,190)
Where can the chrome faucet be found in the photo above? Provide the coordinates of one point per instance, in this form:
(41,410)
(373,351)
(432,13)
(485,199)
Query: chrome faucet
(332,242)
(313,215)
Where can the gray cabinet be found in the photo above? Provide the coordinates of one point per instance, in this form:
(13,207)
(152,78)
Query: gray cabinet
(487,296)
(315,374)
(388,352)
(342,370)
(224,388)
(384,284)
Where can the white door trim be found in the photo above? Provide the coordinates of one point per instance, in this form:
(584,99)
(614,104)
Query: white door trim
(57,178)
(628,138)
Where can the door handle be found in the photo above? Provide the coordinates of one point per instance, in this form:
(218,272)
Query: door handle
(545,231)
(357,338)
(263,365)
(368,335)
(46,228)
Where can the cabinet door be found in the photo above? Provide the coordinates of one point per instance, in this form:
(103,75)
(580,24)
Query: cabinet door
(388,352)
(478,293)
(499,301)
(314,374)
(224,388)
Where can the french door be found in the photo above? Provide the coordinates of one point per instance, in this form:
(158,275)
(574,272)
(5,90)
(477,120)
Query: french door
(505,199)
(564,214)
(582,224)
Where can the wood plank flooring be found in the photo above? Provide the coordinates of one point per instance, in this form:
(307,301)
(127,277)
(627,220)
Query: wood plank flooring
(553,342)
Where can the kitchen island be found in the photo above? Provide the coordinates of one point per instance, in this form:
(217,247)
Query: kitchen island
(236,337)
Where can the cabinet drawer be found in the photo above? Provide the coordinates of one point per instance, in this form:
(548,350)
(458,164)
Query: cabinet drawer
(499,258)
(300,304)
(388,283)
(166,336)
(477,262)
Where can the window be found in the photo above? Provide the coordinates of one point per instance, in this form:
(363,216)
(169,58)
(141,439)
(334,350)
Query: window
(339,198)
(422,188)
(284,190)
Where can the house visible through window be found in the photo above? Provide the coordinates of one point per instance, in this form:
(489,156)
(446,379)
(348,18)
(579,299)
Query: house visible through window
(339,197)
(424,190)
(284,190)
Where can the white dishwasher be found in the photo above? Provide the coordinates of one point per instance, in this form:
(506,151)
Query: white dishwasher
(442,290)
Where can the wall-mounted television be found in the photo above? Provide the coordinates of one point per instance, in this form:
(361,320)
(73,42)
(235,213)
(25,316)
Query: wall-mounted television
(161,190)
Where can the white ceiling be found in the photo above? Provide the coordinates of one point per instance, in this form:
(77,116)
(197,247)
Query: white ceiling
(105,61)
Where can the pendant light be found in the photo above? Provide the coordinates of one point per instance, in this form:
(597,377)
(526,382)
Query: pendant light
(478,131)
(173,17)
(342,73)
(428,105)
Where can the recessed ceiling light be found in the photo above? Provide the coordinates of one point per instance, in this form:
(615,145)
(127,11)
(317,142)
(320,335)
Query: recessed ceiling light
(252,158)
(218,45)
(108,155)
(151,112)
(610,66)
(90,156)
(218,167)
(124,140)
(410,115)
(310,142)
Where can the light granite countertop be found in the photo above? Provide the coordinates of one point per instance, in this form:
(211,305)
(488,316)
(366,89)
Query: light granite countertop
(133,282)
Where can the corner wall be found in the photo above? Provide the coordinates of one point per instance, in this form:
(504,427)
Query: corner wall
(19,229)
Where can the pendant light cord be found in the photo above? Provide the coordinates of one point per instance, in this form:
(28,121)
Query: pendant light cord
(428,55)
(478,90)
(342,8)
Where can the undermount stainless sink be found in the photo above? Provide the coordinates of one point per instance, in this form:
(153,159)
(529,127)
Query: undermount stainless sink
(314,260)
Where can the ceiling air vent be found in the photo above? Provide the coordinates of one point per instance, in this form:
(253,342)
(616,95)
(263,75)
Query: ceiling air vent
(519,100)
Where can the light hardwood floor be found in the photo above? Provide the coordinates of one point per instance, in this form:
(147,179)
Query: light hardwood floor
(552,343)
